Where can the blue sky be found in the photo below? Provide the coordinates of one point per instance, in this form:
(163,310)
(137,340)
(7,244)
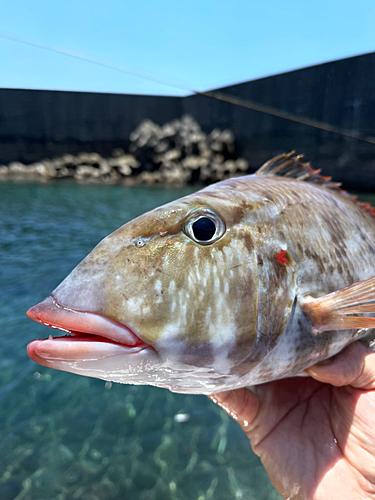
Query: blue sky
(205,43)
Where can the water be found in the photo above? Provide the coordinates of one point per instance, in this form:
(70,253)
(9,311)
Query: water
(65,437)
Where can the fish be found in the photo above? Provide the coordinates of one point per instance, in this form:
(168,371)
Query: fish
(249,280)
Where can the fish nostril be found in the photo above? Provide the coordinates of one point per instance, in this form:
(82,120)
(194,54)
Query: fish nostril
(140,243)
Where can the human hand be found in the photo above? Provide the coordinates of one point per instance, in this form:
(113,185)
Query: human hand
(315,436)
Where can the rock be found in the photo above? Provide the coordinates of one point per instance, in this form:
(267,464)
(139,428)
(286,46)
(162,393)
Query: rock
(104,167)
(4,171)
(204,150)
(117,152)
(214,135)
(125,170)
(194,162)
(229,167)
(65,454)
(65,160)
(242,165)
(176,177)
(64,172)
(124,164)
(161,147)
(206,174)
(151,177)
(17,168)
(176,153)
(45,169)
(87,172)
(172,154)
(90,158)
(111,178)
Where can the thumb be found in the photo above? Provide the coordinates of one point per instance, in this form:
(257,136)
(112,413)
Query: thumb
(354,366)
(241,404)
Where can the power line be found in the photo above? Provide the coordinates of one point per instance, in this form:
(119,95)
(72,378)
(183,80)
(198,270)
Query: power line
(219,96)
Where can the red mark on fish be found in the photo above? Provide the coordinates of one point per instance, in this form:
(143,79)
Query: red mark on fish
(282,258)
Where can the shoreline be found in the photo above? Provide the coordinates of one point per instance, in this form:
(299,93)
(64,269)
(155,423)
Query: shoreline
(175,154)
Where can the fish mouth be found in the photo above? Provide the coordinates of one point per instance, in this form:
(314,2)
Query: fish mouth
(90,335)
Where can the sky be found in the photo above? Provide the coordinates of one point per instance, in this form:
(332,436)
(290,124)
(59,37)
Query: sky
(204,44)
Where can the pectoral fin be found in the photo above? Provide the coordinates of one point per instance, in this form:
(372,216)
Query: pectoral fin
(344,309)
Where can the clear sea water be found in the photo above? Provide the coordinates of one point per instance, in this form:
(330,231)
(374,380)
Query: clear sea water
(65,437)
(68,437)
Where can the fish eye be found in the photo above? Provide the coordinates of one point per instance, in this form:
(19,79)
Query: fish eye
(204,227)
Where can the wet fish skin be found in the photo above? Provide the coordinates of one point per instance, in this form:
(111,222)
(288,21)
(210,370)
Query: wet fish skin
(229,314)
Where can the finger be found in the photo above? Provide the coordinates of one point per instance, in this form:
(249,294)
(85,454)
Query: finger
(354,366)
(241,404)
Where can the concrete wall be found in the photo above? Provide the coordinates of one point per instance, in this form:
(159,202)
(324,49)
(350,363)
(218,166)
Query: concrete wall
(39,124)
(340,93)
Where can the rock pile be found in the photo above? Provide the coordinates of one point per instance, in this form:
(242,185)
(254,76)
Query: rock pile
(177,153)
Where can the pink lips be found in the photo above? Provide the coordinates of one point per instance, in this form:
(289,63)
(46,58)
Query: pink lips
(51,313)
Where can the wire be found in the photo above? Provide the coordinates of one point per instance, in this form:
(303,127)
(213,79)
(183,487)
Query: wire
(244,103)
(219,96)
(99,62)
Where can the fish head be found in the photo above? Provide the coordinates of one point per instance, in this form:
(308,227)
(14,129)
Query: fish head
(169,299)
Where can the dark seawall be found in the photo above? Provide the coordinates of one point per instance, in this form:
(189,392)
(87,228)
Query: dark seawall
(39,124)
